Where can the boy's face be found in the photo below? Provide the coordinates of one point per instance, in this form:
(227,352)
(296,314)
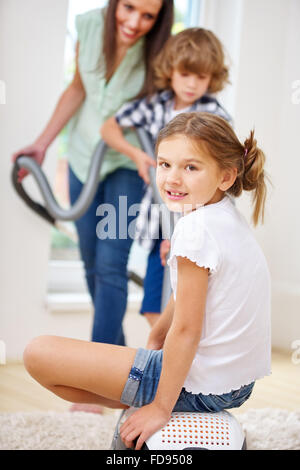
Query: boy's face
(188,87)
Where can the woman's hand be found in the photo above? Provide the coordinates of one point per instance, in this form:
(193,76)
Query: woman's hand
(112,133)
(142,424)
(143,162)
(35,151)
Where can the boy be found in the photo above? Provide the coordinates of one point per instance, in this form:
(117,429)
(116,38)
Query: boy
(188,71)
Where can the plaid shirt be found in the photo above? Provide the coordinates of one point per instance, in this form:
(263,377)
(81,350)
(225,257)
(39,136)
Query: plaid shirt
(153,114)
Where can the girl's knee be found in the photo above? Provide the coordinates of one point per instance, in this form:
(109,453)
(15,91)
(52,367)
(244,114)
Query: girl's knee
(34,353)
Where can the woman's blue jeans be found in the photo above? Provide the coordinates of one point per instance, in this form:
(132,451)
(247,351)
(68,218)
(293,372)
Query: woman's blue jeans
(105,260)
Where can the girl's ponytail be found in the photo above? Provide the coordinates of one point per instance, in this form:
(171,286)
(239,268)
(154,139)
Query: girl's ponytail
(226,149)
(254,176)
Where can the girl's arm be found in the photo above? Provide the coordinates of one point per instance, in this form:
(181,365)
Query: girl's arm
(185,332)
(178,353)
(67,105)
(112,133)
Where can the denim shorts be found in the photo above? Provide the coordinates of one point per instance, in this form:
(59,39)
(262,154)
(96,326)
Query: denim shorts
(141,385)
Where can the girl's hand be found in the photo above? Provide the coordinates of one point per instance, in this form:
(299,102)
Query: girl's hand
(155,339)
(154,344)
(164,250)
(36,151)
(144,162)
(142,424)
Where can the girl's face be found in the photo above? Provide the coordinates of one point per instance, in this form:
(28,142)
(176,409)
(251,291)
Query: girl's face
(134,19)
(186,177)
(188,87)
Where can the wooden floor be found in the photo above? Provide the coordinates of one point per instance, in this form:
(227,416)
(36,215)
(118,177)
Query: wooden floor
(19,392)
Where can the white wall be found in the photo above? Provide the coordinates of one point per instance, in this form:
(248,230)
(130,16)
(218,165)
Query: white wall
(266,64)
(32,35)
(267,103)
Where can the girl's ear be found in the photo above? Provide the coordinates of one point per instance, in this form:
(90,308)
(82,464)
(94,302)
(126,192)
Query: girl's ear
(228,178)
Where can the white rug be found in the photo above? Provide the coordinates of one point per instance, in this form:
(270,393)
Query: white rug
(266,429)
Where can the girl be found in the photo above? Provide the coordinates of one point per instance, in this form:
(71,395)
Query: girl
(213,339)
(189,71)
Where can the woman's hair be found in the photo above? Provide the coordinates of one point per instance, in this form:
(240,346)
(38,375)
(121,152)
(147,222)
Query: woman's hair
(214,135)
(194,50)
(154,40)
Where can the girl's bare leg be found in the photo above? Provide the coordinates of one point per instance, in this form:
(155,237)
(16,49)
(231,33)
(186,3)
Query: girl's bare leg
(80,371)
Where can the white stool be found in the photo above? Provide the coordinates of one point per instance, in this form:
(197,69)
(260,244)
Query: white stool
(191,431)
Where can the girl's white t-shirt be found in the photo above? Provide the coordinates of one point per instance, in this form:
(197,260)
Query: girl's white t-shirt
(235,345)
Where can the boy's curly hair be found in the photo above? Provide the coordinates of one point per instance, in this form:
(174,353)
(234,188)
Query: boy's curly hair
(194,50)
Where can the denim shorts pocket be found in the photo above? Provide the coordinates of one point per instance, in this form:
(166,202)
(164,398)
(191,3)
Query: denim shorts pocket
(229,400)
(221,402)
(190,402)
(243,393)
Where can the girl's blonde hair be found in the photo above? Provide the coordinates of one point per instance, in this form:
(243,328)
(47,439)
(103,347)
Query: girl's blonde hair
(215,136)
(194,50)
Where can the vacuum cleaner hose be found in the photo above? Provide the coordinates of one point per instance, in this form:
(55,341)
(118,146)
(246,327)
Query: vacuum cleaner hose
(52,210)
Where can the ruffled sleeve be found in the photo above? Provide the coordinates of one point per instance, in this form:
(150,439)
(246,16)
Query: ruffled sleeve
(191,239)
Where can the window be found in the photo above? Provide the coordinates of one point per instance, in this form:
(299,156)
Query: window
(66,271)
(187,14)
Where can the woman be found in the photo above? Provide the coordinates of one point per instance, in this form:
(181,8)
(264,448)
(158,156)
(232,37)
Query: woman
(114,52)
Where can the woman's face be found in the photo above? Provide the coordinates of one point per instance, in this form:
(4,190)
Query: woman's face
(134,19)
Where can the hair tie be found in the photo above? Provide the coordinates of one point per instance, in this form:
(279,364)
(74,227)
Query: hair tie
(246,152)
